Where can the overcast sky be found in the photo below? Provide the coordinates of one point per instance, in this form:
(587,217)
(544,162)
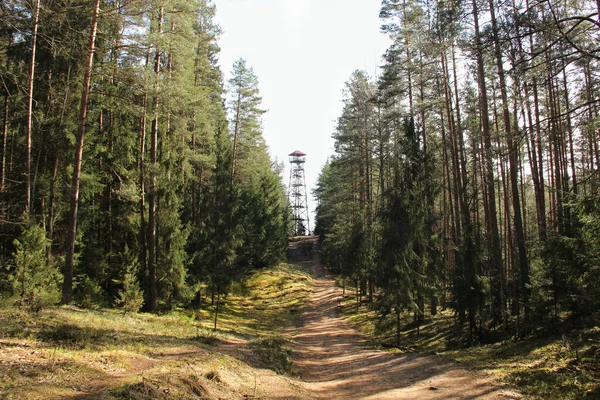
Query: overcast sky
(302,52)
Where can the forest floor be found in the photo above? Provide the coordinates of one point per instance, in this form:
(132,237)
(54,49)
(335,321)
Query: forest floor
(282,334)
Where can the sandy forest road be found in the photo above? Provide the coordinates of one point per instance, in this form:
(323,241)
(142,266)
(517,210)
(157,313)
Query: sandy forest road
(334,361)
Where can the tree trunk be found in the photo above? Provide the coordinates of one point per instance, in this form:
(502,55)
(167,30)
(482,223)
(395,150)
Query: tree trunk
(4,142)
(513,163)
(5,122)
(36,14)
(51,208)
(217,309)
(398,326)
(540,152)
(569,130)
(67,292)
(152,198)
(493,239)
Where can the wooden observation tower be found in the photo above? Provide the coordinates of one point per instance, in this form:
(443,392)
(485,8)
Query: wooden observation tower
(297,196)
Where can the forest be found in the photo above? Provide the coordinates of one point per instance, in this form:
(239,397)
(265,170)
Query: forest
(465,175)
(459,211)
(132,175)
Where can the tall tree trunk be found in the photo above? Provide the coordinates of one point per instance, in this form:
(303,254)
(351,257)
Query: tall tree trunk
(408,63)
(530,134)
(4,142)
(569,129)
(67,292)
(555,154)
(453,143)
(55,165)
(540,152)
(142,183)
(36,14)
(495,253)
(422,101)
(513,165)
(5,122)
(152,197)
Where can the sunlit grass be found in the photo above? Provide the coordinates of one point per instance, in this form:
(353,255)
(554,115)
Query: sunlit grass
(264,303)
(59,352)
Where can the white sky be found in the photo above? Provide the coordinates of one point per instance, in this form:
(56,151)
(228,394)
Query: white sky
(302,52)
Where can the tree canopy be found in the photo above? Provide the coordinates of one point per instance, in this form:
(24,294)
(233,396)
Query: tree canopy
(128,165)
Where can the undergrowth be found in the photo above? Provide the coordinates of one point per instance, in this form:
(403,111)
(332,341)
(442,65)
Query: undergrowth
(274,353)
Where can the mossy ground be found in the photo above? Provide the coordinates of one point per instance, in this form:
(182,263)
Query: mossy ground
(264,303)
(66,352)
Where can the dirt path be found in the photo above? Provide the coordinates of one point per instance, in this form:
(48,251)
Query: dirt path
(335,362)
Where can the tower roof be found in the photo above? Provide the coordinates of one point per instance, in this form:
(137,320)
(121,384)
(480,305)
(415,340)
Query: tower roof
(297,153)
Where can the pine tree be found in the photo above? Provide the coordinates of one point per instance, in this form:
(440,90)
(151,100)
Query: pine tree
(34,281)
(245,114)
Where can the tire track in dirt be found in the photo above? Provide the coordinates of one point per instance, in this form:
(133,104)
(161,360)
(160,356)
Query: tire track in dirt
(335,362)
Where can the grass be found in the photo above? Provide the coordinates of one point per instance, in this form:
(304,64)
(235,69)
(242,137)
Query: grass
(64,352)
(558,367)
(266,302)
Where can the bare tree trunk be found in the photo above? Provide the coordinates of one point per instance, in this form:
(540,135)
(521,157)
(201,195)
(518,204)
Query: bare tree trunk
(513,163)
(4,142)
(569,130)
(592,111)
(555,155)
(152,200)
(67,292)
(452,141)
(55,165)
(36,14)
(217,309)
(5,122)
(142,177)
(492,220)
(422,100)
(540,168)
(533,162)
(193,184)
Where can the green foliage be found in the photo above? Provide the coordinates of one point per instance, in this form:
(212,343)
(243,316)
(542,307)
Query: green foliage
(263,220)
(130,297)
(220,230)
(156,129)
(88,293)
(173,259)
(274,353)
(588,213)
(245,115)
(34,280)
